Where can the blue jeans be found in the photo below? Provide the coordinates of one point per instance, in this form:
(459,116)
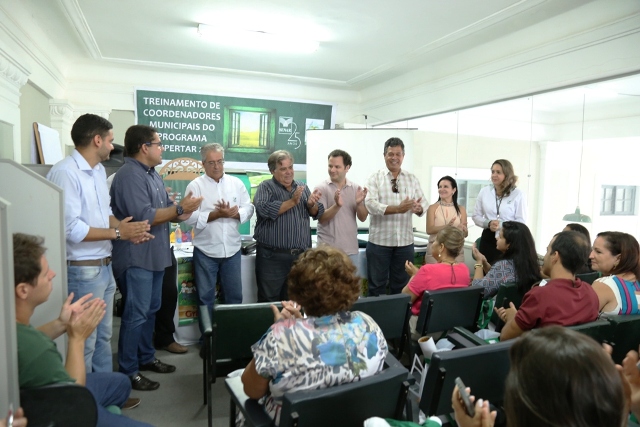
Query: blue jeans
(272,269)
(142,292)
(206,270)
(385,265)
(98,281)
(108,389)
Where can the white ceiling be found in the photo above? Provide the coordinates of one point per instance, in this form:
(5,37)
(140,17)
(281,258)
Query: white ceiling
(362,43)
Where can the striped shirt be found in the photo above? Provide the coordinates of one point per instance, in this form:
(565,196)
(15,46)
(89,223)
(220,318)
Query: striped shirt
(396,229)
(290,230)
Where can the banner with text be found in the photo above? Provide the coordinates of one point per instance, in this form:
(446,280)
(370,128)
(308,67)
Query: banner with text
(248,129)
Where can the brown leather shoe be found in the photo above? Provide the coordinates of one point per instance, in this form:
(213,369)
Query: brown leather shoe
(176,348)
(131,403)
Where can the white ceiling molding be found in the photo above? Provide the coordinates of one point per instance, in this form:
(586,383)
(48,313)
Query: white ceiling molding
(12,71)
(76,18)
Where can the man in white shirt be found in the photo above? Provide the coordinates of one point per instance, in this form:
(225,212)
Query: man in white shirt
(217,242)
(394,195)
(90,226)
(343,201)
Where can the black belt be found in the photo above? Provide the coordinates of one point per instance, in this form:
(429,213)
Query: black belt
(281,250)
(90,262)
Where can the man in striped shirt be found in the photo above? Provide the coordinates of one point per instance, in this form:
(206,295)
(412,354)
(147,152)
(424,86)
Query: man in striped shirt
(394,195)
(283,207)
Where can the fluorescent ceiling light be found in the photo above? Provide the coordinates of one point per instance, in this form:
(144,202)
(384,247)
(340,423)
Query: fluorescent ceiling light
(258,40)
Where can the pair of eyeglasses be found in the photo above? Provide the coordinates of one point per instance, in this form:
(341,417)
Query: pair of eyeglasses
(394,185)
(215,162)
(159,144)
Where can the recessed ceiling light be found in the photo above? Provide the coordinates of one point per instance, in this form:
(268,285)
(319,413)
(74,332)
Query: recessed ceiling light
(257,40)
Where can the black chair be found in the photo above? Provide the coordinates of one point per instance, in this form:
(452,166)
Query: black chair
(483,368)
(589,277)
(507,292)
(626,335)
(59,405)
(445,309)
(382,395)
(600,330)
(229,332)
(391,313)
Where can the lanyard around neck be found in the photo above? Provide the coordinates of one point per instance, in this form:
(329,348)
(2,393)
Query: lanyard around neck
(498,204)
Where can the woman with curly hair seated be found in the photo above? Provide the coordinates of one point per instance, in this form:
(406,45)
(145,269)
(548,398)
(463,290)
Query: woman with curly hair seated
(331,346)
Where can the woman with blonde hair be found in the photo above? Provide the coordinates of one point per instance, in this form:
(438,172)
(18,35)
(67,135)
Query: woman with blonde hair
(447,273)
(445,211)
(497,203)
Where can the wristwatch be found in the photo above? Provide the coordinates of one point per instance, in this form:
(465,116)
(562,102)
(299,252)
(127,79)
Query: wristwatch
(117,233)
(179,210)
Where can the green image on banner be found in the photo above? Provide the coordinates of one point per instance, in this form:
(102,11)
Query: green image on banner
(248,129)
(187,296)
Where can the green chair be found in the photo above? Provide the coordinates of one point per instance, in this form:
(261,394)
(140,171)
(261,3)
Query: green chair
(600,330)
(229,332)
(447,308)
(383,395)
(59,405)
(507,292)
(626,335)
(391,313)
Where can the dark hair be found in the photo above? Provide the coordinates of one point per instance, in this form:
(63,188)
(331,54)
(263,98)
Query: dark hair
(87,127)
(324,281)
(573,248)
(452,239)
(393,142)
(560,377)
(510,178)
(522,251)
(136,136)
(277,157)
(346,158)
(454,185)
(626,246)
(27,254)
(580,229)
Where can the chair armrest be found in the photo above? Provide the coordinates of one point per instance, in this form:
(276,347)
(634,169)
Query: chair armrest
(253,411)
(463,338)
(205,318)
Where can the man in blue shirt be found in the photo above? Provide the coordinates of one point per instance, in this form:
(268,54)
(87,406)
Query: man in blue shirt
(90,226)
(138,191)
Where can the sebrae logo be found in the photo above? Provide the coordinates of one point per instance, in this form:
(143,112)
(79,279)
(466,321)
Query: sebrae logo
(285,125)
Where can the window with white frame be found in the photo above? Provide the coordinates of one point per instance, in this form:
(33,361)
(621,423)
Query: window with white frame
(618,200)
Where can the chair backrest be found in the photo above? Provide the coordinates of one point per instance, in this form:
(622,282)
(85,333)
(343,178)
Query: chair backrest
(483,368)
(507,292)
(626,335)
(445,309)
(588,277)
(600,330)
(382,395)
(59,405)
(390,312)
(236,327)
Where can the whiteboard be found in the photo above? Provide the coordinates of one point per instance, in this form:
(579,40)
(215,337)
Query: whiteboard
(365,147)
(49,143)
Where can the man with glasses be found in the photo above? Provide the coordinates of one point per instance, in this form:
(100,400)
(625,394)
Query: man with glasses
(90,227)
(394,195)
(138,191)
(217,242)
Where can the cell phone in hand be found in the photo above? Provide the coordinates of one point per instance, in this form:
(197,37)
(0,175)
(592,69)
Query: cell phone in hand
(462,389)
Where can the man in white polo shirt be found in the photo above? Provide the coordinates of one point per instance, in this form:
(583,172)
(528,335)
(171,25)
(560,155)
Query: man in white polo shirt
(343,201)
(394,195)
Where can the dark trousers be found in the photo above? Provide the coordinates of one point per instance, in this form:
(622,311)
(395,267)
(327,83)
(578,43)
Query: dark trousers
(488,246)
(272,269)
(165,327)
(385,266)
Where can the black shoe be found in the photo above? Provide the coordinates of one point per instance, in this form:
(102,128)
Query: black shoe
(158,366)
(141,383)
